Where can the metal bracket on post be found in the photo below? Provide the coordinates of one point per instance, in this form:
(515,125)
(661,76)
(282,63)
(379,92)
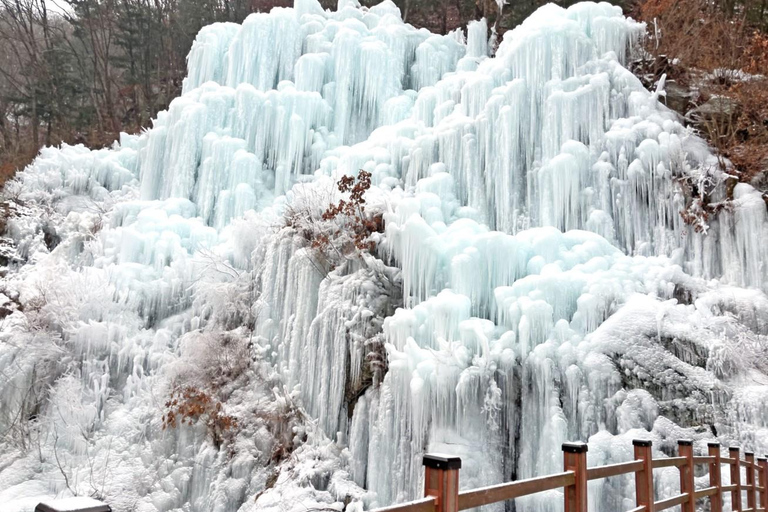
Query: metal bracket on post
(441,480)
(644,477)
(733,452)
(715,480)
(575,459)
(687,483)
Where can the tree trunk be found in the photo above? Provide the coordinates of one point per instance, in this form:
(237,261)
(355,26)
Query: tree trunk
(6,134)
(444,24)
(35,123)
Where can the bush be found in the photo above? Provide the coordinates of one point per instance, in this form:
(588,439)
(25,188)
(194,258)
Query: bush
(217,373)
(699,208)
(735,354)
(188,405)
(717,54)
(353,213)
(341,230)
(212,366)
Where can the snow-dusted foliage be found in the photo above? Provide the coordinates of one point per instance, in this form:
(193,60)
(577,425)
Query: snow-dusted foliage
(210,316)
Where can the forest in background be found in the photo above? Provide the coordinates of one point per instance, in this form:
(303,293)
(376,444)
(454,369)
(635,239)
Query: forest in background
(82,71)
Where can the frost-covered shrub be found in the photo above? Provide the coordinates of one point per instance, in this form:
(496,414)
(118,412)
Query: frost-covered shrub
(352,214)
(212,365)
(220,384)
(340,230)
(56,317)
(188,405)
(31,362)
(224,295)
(701,207)
(283,421)
(737,354)
(214,360)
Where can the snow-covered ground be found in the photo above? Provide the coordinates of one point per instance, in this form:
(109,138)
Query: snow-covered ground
(533,282)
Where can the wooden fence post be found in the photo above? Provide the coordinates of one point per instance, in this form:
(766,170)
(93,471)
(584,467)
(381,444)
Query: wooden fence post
(733,452)
(441,480)
(644,477)
(575,459)
(687,486)
(749,457)
(762,478)
(716,500)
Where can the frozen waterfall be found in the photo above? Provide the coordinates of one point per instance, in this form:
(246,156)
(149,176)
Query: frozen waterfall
(534,282)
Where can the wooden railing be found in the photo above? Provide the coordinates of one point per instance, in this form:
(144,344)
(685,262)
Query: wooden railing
(441,481)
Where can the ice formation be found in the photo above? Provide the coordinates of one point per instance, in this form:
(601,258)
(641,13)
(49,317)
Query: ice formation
(535,282)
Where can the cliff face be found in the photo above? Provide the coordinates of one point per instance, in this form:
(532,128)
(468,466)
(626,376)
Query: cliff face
(350,241)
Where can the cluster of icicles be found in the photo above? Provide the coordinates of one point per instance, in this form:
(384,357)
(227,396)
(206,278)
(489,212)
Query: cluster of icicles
(530,194)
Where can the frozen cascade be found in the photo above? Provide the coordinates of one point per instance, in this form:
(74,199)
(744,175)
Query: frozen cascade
(534,282)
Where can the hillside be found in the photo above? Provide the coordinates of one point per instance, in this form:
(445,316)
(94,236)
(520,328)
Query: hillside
(350,241)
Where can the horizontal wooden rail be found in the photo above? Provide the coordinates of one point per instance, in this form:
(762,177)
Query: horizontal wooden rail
(621,468)
(671,502)
(512,490)
(423,505)
(441,481)
(703,493)
(669,462)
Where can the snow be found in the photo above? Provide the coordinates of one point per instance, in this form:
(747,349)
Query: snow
(79,503)
(534,282)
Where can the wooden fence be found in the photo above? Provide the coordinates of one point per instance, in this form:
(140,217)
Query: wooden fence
(441,481)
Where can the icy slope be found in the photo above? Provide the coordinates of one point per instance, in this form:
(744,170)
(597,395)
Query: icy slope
(534,281)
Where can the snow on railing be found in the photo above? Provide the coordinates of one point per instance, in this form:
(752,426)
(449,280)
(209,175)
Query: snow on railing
(441,481)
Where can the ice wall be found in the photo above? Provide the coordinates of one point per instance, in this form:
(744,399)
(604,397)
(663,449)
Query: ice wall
(535,282)
(552,131)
